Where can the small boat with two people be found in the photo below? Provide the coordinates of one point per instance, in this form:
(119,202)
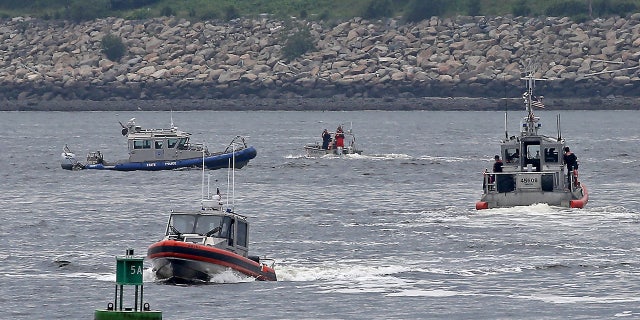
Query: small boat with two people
(534,170)
(163,149)
(338,143)
(201,244)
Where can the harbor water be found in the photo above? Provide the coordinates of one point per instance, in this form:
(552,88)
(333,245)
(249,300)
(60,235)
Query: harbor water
(389,234)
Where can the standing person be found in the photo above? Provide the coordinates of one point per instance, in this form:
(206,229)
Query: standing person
(571,160)
(497,167)
(326,138)
(339,137)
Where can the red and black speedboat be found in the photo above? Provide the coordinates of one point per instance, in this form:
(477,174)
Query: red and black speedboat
(201,244)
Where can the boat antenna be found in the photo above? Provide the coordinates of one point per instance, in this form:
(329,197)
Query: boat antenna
(506,134)
(171,113)
(231,171)
(529,99)
(228,181)
(559,130)
(233,177)
(202,192)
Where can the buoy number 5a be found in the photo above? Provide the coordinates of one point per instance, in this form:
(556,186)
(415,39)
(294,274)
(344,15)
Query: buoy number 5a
(136,270)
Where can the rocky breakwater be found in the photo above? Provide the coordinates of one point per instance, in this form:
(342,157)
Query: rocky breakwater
(168,58)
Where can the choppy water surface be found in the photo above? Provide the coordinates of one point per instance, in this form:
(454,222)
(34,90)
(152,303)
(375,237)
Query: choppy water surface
(390,234)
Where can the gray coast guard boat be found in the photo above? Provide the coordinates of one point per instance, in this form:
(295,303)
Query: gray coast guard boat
(534,170)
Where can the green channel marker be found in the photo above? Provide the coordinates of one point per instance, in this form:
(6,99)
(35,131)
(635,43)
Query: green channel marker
(129,272)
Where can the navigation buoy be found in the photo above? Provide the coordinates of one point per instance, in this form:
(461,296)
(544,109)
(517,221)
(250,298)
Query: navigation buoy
(129,271)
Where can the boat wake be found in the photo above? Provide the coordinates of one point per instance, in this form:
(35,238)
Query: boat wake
(336,272)
(296,156)
(436,159)
(559,299)
(538,208)
(229,276)
(387,156)
(148,276)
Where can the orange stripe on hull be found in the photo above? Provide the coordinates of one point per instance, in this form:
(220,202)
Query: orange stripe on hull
(217,251)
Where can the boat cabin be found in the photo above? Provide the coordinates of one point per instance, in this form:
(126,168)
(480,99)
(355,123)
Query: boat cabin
(530,161)
(159,144)
(221,229)
(532,154)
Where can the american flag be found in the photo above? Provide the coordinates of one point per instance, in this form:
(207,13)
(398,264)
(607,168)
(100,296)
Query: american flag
(537,102)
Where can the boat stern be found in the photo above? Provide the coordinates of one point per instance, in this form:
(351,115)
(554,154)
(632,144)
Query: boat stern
(581,198)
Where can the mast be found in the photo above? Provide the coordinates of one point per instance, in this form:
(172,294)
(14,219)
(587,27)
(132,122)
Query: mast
(531,121)
(559,130)
(506,133)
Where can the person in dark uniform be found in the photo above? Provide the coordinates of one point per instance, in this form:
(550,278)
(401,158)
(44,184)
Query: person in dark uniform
(571,160)
(326,139)
(497,166)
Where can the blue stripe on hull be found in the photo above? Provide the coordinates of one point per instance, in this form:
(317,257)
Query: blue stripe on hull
(219,161)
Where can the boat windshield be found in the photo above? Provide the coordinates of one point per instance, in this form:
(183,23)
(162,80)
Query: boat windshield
(183,223)
(512,155)
(207,223)
(189,223)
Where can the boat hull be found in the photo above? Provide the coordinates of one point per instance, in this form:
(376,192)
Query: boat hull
(185,262)
(570,199)
(213,162)
(316,151)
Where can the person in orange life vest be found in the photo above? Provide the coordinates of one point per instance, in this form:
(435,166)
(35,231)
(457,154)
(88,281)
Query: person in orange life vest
(339,137)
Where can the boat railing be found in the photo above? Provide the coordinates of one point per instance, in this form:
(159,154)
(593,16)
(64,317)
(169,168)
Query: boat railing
(268,262)
(499,182)
(161,130)
(502,182)
(195,147)
(574,183)
(488,181)
(237,143)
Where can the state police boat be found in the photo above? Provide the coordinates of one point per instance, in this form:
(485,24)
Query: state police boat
(534,170)
(162,149)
